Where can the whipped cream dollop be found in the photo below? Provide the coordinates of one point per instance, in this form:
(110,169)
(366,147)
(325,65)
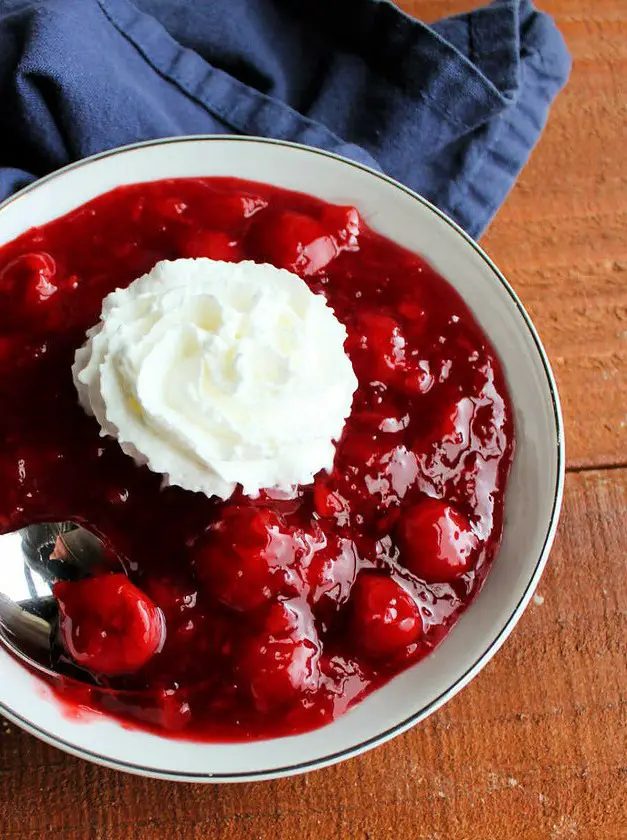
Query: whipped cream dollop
(217,374)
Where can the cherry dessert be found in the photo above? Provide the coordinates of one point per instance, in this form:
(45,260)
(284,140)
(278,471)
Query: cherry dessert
(258,617)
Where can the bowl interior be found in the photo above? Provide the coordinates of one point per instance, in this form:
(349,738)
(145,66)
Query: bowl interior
(532,502)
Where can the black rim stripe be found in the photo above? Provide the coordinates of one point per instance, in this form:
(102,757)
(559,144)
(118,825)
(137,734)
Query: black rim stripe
(484,658)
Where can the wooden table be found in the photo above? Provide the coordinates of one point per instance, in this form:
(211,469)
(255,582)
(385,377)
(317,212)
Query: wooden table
(536,746)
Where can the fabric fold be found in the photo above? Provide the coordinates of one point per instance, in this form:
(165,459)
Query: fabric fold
(453,110)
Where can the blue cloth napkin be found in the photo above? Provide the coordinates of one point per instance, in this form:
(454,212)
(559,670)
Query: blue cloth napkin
(452,110)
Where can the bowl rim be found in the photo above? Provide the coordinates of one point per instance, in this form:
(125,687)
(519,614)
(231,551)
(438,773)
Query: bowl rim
(512,620)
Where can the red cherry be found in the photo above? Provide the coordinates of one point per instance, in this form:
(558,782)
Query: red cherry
(29,277)
(446,440)
(455,427)
(27,285)
(107,624)
(227,211)
(175,598)
(329,503)
(376,346)
(248,558)
(363,448)
(419,379)
(170,208)
(343,223)
(332,571)
(136,209)
(279,671)
(384,618)
(284,618)
(292,241)
(436,541)
(209,243)
(413,311)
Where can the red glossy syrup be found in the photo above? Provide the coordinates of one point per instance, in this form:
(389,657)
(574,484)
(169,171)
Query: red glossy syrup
(279,614)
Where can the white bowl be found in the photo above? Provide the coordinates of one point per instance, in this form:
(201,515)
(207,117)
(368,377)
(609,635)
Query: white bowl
(533,497)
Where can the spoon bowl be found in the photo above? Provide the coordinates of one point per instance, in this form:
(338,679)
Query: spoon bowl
(32,560)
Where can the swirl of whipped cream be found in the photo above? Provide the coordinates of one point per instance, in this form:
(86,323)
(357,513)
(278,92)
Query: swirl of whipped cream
(217,374)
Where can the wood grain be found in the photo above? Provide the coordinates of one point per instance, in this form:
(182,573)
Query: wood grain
(536,746)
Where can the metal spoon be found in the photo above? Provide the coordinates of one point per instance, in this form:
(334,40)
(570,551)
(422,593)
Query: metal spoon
(31,561)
